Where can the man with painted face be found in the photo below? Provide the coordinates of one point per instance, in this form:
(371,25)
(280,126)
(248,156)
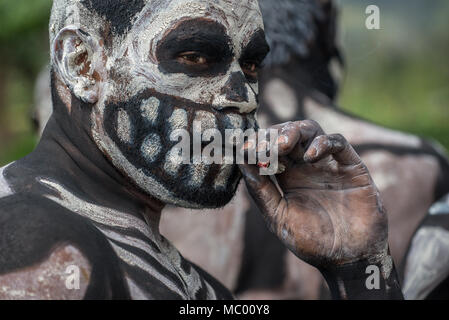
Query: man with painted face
(88,200)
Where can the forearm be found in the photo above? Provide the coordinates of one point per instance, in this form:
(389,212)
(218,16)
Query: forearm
(364,280)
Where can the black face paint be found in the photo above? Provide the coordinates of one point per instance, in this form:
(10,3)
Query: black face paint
(255,52)
(235,89)
(118,12)
(203,37)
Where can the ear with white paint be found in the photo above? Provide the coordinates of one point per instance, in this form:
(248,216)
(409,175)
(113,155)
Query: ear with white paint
(76,57)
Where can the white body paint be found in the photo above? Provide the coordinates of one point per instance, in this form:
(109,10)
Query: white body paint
(5,190)
(178,120)
(281,98)
(169,257)
(427,262)
(124,131)
(150,109)
(213,239)
(441,207)
(357,131)
(151,147)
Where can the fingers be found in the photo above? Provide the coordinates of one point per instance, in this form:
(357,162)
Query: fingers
(261,188)
(292,138)
(306,141)
(332,145)
(309,130)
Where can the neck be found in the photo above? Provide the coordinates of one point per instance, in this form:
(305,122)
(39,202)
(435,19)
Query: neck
(78,164)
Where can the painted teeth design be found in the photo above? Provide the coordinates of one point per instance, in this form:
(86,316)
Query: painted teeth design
(124,127)
(178,120)
(151,147)
(207,119)
(198,173)
(234,121)
(173,162)
(150,109)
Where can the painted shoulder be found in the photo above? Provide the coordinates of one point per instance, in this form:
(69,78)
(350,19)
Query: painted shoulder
(32,227)
(64,275)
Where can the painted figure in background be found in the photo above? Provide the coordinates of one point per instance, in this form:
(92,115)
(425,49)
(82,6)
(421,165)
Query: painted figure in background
(427,266)
(124,76)
(301,81)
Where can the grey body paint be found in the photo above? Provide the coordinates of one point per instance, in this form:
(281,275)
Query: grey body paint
(440,208)
(167,255)
(427,262)
(211,238)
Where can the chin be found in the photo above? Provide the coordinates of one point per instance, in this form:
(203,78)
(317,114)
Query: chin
(207,196)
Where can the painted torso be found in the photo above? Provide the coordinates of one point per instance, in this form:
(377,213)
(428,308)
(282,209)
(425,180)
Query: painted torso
(151,267)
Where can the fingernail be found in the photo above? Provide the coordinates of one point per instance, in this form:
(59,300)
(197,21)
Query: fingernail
(282,139)
(312,153)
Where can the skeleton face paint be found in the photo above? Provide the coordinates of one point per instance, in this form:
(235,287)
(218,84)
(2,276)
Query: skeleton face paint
(182,61)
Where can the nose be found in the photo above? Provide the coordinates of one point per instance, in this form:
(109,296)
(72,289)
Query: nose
(235,89)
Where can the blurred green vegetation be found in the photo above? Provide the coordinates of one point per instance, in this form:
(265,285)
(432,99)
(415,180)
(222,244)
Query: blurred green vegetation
(397,76)
(23,52)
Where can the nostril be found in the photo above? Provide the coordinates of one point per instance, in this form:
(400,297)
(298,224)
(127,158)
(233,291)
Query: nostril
(235,88)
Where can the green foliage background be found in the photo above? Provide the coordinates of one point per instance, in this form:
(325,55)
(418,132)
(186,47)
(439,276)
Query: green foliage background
(397,76)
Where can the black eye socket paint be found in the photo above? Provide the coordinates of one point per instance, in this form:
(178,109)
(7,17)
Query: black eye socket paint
(255,51)
(202,36)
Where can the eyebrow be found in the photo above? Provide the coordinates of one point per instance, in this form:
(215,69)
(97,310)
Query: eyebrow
(195,34)
(204,35)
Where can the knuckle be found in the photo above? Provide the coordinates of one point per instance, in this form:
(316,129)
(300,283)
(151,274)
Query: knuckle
(310,123)
(321,139)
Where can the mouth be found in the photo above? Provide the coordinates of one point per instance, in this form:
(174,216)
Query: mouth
(143,126)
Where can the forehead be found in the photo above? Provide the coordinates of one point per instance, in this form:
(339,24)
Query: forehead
(240,18)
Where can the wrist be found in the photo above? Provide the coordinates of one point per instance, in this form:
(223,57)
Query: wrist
(372,278)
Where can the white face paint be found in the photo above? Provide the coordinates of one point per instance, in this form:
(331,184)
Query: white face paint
(240,18)
(150,93)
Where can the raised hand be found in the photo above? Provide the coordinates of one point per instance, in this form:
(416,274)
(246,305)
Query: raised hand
(326,208)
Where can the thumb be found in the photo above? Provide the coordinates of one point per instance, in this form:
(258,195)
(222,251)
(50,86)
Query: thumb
(262,189)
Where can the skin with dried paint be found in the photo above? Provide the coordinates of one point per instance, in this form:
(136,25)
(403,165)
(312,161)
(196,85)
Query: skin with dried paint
(301,82)
(104,187)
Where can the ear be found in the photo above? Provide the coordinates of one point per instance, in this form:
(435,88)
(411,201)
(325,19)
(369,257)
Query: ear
(78,60)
